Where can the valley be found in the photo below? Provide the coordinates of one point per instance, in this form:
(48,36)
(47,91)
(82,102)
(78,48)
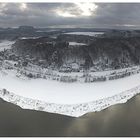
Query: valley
(34,70)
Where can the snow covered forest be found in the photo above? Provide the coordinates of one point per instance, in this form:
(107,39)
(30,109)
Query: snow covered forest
(34,71)
(10,61)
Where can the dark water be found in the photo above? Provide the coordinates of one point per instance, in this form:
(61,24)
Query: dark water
(117,120)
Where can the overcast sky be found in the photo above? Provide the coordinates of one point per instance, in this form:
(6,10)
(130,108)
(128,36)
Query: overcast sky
(70,15)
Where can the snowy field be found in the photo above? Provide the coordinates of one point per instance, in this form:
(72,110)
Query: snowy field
(85,33)
(47,31)
(76,44)
(67,99)
(5,44)
(30,37)
(65,93)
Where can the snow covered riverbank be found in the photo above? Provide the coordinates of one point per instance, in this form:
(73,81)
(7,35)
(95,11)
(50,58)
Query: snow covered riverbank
(64,93)
(74,99)
(75,110)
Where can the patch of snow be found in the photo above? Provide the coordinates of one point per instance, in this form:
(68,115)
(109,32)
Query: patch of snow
(85,33)
(5,44)
(76,44)
(46,31)
(30,37)
(75,66)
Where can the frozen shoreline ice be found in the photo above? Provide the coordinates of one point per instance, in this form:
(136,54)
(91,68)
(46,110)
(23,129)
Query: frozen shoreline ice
(74,110)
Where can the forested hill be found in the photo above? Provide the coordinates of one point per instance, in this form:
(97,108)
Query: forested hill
(101,53)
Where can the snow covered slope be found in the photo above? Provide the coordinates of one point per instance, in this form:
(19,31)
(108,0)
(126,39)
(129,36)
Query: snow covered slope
(73,99)
(65,93)
(74,110)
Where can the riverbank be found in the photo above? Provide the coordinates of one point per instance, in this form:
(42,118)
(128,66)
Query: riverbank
(117,120)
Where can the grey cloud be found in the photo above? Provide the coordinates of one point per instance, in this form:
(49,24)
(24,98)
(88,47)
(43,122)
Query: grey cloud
(44,14)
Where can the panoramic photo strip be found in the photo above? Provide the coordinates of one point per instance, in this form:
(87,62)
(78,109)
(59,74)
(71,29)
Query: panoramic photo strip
(69,69)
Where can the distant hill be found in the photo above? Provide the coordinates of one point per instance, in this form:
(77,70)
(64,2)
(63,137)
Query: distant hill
(101,53)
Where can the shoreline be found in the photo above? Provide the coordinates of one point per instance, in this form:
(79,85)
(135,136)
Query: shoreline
(74,110)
